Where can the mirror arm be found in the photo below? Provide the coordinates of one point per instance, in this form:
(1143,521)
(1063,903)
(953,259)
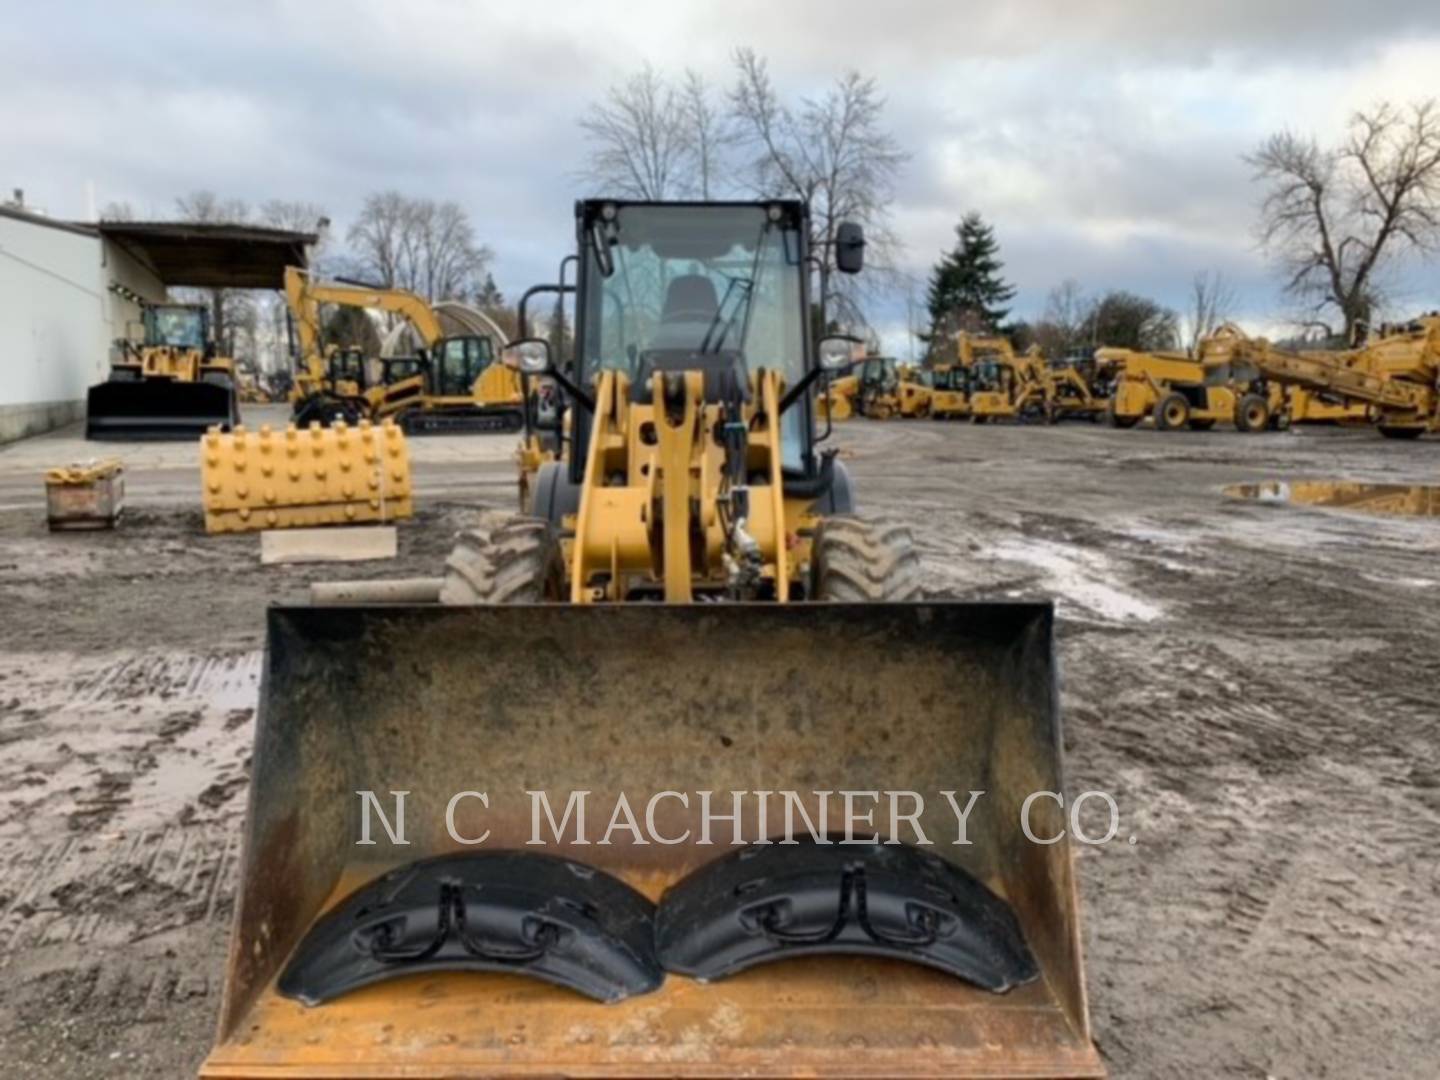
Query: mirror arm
(794,393)
(576,394)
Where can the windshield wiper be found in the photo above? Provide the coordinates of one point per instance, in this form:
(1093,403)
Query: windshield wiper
(747,289)
(747,285)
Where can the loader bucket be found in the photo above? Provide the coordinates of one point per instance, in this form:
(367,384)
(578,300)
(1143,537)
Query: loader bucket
(157,409)
(624,703)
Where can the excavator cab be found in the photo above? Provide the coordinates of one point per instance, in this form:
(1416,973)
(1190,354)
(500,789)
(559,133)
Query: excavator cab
(781,678)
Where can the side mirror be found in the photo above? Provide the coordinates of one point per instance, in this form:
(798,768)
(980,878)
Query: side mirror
(529,356)
(840,351)
(849,248)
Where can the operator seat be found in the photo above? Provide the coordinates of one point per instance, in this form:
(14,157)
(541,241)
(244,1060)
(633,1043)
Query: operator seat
(689,311)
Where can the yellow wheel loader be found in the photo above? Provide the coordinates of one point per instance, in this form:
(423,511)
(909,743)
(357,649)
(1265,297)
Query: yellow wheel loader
(838,402)
(456,385)
(1174,390)
(169,386)
(887,390)
(556,832)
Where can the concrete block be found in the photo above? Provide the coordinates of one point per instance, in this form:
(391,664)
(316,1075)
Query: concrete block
(328,545)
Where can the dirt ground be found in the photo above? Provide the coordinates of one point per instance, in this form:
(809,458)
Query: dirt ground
(1254,683)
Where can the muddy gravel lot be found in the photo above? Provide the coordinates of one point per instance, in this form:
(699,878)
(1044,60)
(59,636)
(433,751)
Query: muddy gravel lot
(1255,683)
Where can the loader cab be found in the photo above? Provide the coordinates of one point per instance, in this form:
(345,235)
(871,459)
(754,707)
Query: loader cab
(178,326)
(722,288)
(948,378)
(878,376)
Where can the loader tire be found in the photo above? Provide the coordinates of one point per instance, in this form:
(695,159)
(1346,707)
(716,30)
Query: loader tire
(858,561)
(517,562)
(1118,420)
(1252,414)
(1172,412)
(1391,431)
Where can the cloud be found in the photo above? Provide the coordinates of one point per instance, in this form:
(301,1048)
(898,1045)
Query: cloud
(1102,139)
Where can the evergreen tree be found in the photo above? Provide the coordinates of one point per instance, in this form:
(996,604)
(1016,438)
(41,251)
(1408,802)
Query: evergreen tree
(966,290)
(489,294)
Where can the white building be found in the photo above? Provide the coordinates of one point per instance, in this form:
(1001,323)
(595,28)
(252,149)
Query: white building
(66,294)
(69,290)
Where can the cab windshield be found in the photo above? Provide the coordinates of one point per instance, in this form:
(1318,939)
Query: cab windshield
(688,281)
(181,327)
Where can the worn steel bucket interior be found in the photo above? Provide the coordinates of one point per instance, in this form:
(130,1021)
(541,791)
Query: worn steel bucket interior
(641,699)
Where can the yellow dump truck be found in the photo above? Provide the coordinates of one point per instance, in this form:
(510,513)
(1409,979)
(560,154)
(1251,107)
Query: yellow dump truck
(693,630)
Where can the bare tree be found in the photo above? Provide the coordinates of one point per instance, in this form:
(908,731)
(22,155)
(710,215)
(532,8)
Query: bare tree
(427,247)
(1212,300)
(833,152)
(1336,216)
(708,135)
(1067,322)
(639,144)
(273,332)
(233,314)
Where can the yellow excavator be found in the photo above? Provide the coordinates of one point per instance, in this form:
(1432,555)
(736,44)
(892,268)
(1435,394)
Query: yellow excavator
(170,385)
(455,385)
(545,827)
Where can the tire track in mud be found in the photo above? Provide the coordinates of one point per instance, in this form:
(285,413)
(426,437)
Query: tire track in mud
(118,850)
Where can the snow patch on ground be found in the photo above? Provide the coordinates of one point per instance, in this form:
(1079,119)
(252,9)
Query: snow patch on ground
(1078,577)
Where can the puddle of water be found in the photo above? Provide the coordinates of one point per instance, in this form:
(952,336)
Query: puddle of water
(1399,500)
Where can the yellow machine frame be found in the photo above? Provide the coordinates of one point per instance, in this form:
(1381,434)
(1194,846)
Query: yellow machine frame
(1393,378)
(620,533)
(1176,390)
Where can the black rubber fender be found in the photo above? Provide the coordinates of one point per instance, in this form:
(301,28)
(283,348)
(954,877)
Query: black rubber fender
(520,912)
(772,902)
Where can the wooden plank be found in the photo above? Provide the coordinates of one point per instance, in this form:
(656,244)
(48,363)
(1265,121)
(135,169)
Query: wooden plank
(356,544)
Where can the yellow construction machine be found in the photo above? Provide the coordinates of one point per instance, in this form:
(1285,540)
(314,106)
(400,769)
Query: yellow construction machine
(887,390)
(838,402)
(949,391)
(1174,390)
(1067,389)
(1002,385)
(455,385)
(545,830)
(1395,377)
(170,385)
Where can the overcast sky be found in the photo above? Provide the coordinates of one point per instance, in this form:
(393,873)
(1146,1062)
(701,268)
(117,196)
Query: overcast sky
(1101,138)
